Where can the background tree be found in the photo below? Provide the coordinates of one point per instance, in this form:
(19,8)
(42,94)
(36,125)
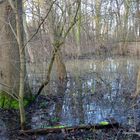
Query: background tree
(9,64)
(14,53)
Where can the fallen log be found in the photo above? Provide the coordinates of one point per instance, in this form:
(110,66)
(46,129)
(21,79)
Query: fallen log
(59,129)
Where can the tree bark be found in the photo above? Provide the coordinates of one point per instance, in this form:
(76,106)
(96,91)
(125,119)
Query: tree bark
(20,39)
(9,53)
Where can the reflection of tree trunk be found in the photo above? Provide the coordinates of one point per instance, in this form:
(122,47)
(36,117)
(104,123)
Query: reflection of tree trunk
(61,87)
(80,103)
(77,103)
(61,83)
(60,97)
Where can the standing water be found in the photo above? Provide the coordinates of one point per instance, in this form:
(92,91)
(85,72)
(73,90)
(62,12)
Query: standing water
(96,91)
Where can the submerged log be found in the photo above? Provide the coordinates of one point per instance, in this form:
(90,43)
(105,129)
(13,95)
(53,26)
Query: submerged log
(59,129)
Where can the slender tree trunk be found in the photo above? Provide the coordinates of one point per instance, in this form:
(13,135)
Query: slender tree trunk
(78,33)
(98,18)
(28,47)
(137,92)
(20,39)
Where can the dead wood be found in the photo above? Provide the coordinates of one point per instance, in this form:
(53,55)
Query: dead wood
(69,129)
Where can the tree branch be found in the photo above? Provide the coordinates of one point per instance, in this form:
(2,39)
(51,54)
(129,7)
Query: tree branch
(56,48)
(39,25)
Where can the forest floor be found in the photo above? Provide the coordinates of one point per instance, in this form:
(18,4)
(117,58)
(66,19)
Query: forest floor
(103,134)
(10,117)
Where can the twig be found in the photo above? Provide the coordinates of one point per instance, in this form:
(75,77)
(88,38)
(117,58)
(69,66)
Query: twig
(43,20)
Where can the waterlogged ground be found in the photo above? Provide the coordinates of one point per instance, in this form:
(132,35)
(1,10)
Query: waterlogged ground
(96,91)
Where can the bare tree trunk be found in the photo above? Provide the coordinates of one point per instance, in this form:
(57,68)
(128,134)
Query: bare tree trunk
(58,42)
(98,19)
(61,68)
(20,39)
(138,84)
(54,37)
(78,33)
(28,47)
(9,53)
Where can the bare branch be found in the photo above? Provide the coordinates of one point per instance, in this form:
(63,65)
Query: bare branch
(56,48)
(43,20)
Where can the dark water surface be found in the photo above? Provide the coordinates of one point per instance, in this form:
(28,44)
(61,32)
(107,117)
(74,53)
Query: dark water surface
(96,91)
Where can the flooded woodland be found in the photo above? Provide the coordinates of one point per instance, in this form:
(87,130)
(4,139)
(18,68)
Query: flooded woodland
(96,91)
(69,69)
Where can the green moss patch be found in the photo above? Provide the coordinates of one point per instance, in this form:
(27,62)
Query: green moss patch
(7,102)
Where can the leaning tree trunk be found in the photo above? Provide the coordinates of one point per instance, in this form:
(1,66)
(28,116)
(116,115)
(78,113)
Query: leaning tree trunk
(61,68)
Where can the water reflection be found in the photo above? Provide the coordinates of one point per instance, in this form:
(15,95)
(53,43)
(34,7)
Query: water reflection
(96,90)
